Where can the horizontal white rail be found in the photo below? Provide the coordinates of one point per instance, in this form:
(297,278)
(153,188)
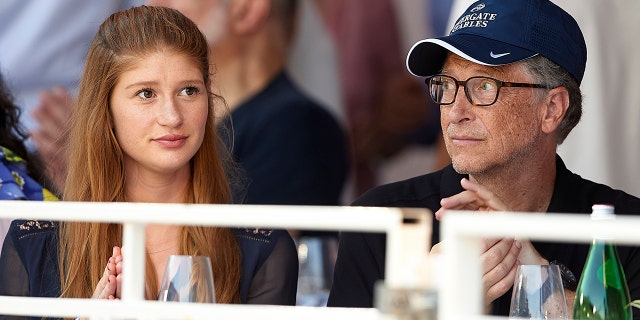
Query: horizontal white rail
(263,216)
(120,309)
(135,216)
(461,293)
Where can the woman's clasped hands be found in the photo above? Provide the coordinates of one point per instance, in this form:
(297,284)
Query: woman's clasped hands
(109,286)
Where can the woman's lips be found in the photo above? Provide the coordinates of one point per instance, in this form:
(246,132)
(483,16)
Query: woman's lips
(171,140)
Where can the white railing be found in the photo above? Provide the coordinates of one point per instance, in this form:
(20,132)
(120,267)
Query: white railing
(458,279)
(460,289)
(399,224)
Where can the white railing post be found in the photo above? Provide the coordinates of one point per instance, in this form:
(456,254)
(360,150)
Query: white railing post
(408,242)
(133,248)
(461,293)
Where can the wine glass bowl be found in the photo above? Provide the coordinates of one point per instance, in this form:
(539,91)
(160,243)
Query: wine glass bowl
(187,279)
(538,293)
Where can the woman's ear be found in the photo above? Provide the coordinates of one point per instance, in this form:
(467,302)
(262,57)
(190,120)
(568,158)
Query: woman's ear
(555,107)
(248,16)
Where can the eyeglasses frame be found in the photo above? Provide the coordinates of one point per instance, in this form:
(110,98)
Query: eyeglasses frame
(500,84)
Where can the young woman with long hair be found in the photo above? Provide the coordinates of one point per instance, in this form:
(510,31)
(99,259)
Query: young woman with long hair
(143,130)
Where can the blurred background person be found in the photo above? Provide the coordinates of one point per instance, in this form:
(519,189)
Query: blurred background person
(393,128)
(313,60)
(43,45)
(385,108)
(21,172)
(425,149)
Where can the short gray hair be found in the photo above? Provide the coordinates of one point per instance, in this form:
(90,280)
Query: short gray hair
(545,71)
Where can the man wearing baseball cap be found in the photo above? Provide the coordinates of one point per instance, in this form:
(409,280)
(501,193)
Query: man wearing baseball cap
(507,79)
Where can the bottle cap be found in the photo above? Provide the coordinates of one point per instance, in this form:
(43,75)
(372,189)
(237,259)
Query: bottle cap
(602,212)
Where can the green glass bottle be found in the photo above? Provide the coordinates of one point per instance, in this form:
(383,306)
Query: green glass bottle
(602,292)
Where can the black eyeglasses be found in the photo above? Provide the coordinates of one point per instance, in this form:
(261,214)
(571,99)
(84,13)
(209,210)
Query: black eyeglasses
(480,91)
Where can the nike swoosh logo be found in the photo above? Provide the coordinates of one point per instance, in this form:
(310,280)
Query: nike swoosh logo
(498,55)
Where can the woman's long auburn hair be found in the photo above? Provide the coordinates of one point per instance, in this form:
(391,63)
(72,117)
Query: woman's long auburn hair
(96,171)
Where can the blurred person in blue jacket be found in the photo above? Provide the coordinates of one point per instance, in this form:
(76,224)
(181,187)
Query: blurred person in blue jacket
(21,172)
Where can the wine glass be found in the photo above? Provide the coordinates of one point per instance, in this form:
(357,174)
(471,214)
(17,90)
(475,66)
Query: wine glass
(313,258)
(538,293)
(187,279)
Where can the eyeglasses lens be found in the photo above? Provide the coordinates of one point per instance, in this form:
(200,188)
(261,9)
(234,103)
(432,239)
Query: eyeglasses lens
(481,90)
(442,89)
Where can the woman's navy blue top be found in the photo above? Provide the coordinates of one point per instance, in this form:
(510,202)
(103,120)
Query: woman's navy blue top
(29,263)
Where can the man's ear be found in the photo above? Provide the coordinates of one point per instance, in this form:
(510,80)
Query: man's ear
(555,107)
(248,16)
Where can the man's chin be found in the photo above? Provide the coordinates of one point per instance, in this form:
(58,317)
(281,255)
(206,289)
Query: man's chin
(465,167)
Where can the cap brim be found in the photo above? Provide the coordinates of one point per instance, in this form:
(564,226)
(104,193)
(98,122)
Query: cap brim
(426,57)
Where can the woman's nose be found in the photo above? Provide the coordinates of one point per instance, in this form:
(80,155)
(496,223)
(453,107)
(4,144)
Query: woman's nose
(169,113)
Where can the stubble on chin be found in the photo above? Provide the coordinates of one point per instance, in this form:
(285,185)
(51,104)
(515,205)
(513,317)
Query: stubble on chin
(460,167)
(468,165)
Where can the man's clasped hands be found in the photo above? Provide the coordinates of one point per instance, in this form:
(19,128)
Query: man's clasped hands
(499,257)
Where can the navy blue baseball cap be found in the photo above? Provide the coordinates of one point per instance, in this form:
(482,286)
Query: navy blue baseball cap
(499,32)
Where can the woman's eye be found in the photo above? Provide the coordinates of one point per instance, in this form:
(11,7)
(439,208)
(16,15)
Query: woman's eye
(189,91)
(145,94)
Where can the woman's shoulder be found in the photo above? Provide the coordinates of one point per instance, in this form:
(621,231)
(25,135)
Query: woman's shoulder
(26,228)
(32,248)
(258,236)
(272,247)
(33,235)
(256,244)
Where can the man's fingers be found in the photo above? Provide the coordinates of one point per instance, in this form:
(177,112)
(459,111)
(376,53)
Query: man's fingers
(499,267)
(483,196)
(465,200)
(503,250)
(502,286)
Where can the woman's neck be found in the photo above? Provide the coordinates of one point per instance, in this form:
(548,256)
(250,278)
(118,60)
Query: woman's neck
(158,188)
(161,241)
